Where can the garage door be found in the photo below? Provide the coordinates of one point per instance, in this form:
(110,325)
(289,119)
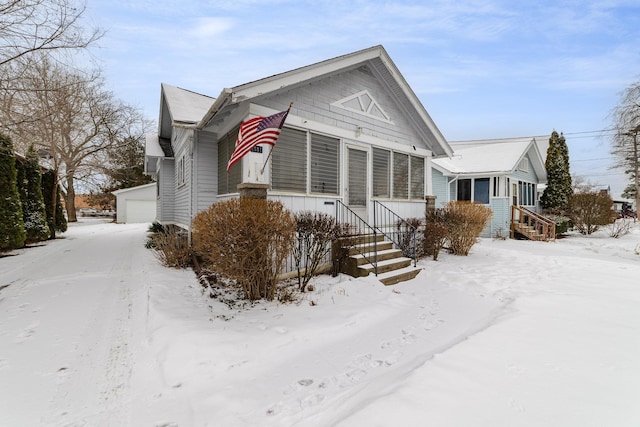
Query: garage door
(140,211)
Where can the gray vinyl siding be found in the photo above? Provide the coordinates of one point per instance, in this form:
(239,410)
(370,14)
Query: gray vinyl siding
(313,101)
(439,187)
(181,149)
(206,172)
(500,221)
(166,184)
(528,176)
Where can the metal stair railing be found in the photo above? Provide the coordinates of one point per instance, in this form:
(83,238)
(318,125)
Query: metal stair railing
(542,225)
(396,229)
(358,228)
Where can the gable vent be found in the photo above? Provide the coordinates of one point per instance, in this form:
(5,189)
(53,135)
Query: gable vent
(363,103)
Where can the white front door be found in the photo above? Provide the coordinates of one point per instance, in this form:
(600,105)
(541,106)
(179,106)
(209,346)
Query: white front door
(357,181)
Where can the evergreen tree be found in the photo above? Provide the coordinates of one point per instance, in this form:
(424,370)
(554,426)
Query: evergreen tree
(558,192)
(33,209)
(48,181)
(12,233)
(630,192)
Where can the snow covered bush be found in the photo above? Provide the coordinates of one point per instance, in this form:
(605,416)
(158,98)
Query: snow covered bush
(34,213)
(52,202)
(620,227)
(315,232)
(465,222)
(12,233)
(246,240)
(590,211)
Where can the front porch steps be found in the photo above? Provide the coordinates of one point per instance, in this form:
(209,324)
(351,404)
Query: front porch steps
(393,267)
(529,232)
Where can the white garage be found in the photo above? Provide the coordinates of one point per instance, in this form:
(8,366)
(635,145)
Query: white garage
(136,204)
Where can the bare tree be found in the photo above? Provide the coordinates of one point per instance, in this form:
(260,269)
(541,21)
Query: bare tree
(30,26)
(626,141)
(70,116)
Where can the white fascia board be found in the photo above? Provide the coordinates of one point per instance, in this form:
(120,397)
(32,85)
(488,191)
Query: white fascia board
(415,103)
(288,78)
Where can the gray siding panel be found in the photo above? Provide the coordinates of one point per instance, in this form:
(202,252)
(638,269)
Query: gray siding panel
(182,191)
(314,101)
(439,187)
(166,181)
(206,172)
(500,221)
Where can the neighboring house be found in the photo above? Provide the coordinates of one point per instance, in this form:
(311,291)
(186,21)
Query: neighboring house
(498,173)
(136,204)
(356,133)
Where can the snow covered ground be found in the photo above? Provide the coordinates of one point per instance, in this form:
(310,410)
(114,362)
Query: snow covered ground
(94,332)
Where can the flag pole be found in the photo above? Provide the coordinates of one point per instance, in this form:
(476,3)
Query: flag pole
(273,146)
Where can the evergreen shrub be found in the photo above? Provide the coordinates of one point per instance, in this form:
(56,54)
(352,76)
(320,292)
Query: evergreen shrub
(246,240)
(12,234)
(30,189)
(60,222)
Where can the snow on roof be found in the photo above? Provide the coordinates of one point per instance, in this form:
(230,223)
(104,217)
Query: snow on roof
(483,156)
(184,105)
(152,146)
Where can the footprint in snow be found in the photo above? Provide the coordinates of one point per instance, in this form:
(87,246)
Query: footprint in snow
(26,333)
(312,400)
(430,325)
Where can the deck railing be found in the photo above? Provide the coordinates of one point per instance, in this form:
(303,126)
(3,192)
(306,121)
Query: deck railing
(366,242)
(396,229)
(535,222)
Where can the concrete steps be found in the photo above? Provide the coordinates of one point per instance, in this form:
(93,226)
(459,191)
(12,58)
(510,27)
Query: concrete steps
(392,266)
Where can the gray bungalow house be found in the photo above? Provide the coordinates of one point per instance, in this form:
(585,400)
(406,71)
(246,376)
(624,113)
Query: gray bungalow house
(356,133)
(356,136)
(498,173)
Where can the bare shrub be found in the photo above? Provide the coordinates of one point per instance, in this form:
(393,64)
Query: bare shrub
(406,231)
(619,227)
(171,247)
(590,211)
(314,234)
(465,221)
(436,232)
(247,240)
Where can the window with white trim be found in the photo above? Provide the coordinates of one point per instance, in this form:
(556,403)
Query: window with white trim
(400,176)
(524,165)
(417,177)
(381,172)
(289,161)
(228,182)
(325,164)
(180,171)
(476,189)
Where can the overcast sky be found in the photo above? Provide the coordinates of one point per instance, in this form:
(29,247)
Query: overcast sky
(483,69)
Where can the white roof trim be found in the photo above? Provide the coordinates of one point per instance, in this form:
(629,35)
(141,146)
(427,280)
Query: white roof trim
(365,104)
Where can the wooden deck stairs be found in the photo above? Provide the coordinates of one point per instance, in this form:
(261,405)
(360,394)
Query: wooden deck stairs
(531,225)
(389,263)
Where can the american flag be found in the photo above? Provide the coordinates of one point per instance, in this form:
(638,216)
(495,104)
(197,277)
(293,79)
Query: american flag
(258,130)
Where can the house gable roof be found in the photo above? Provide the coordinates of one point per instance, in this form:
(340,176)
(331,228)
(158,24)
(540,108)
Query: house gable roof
(180,107)
(499,156)
(376,59)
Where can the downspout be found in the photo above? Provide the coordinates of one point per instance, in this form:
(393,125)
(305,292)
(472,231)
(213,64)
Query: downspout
(192,187)
(455,178)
